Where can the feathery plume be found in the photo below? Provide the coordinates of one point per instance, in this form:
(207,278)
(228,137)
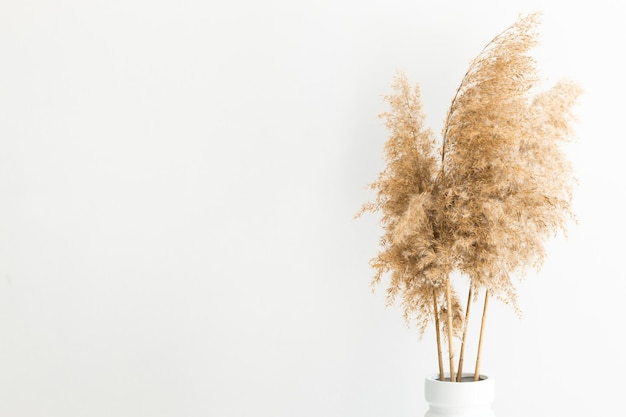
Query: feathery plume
(483,202)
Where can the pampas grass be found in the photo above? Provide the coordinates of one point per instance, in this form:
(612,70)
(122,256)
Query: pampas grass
(482,199)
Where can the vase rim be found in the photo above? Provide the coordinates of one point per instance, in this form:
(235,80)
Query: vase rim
(466,377)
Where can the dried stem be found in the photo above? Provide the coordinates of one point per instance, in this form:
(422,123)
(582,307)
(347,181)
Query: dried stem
(437,329)
(480,340)
(462,354)
(450,314)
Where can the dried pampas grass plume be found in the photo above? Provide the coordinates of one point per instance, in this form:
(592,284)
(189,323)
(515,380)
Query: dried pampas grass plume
(483,199)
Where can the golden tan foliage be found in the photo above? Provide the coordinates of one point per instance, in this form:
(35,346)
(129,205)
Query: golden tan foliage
(410,250)
(485,200)
(506,179)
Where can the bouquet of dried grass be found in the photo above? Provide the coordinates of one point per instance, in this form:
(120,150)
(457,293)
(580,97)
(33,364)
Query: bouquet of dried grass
(484,200)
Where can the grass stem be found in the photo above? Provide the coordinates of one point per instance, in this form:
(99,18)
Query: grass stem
(450,313)
(465,325)
(480,340)
(437,328)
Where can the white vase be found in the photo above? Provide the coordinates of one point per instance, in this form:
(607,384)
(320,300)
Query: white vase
(468,398)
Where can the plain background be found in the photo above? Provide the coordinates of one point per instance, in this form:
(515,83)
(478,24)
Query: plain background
(178,181)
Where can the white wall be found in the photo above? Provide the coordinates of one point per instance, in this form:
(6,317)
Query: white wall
(177,186)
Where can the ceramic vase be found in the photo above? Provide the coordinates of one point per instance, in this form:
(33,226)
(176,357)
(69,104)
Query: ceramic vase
(467,398)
